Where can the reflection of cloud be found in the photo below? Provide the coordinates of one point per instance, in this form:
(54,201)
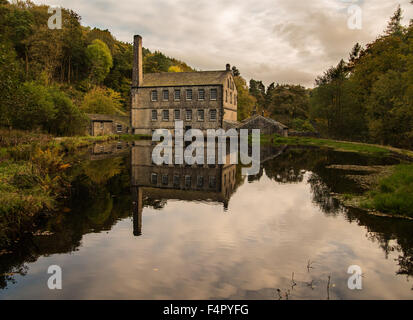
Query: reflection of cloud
(272,40)
(193,250)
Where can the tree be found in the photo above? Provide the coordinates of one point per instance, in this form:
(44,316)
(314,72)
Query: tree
(102,101)
(245,101)
(100,60)
(395,27)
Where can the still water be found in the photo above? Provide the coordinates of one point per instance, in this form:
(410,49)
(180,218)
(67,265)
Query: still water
(137,231)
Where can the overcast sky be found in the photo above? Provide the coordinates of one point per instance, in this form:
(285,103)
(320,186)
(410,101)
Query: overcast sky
(284,41)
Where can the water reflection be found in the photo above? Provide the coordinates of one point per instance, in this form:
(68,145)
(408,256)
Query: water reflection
(208,232)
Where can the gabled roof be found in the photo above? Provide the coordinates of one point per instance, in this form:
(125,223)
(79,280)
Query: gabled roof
(260,117)
(169,79)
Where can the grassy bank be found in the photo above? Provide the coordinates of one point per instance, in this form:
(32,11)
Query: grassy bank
(394,194)
(33,175)
(345,146)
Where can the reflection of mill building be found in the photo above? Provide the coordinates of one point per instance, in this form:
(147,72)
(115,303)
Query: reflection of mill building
(210,183)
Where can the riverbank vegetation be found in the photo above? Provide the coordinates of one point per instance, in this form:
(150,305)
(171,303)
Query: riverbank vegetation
(33,175)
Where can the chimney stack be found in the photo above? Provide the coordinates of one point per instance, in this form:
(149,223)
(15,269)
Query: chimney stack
(228,67)
(137,71)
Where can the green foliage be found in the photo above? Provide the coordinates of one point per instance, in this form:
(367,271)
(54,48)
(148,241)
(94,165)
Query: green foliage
(394,193)
(302,125)
(370,97)
(102,101)
(245,101)
(100,60)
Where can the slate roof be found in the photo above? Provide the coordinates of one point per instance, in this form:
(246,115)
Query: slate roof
(260,117)
(170,79)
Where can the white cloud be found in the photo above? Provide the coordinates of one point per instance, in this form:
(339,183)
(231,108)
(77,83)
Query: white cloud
(271,40)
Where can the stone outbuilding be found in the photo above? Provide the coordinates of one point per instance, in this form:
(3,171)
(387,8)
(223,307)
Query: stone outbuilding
(266,125)
(102,124)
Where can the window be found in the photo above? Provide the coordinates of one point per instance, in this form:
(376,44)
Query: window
(230,98)
(188,115)
(235,99)
(213,115)
(188,181)
(166,95)
(154,95)
(201,94)
(177,181)
(189,94)
(226,96)
(212,182)
(154,115)
(177,113)
(200,181)
(118,127)
(213,94)
(177,95)
(201,115)
(154,178)
(165,179)
(165,115)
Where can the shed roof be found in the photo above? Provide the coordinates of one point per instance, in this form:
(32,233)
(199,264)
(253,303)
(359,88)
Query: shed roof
(260,117)
(168,79)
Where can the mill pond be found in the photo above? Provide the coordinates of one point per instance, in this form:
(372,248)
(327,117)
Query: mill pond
(134,230)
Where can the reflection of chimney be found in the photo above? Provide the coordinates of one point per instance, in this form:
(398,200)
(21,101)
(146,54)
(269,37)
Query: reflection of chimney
(137,211)
(137,71)
(228,67)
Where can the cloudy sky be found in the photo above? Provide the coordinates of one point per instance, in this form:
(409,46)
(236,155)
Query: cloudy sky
(284,41)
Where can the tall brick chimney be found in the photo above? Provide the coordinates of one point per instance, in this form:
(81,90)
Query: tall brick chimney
(137,71)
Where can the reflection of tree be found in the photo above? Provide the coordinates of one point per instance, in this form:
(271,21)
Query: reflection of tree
(96,203)
(322,196)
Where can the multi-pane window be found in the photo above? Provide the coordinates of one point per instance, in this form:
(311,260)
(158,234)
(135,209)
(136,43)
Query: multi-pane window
(188,181)
(189,94)
(177,95)
(188,115)
(201,94)
(200,181)
(154,115)
(154,95)
(213,94)
(201,115)
(165,179)
(212,182)
(119,128)
(213,115)
(165,115)
(154,178)
(166,95)
(177,114)
(177,181)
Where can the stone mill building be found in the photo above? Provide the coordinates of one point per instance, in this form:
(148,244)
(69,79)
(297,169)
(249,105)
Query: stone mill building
(202,100)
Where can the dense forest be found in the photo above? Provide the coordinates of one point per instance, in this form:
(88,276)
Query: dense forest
(51,78)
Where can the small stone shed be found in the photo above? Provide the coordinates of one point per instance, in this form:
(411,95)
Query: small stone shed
(266,125)
(102,124)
